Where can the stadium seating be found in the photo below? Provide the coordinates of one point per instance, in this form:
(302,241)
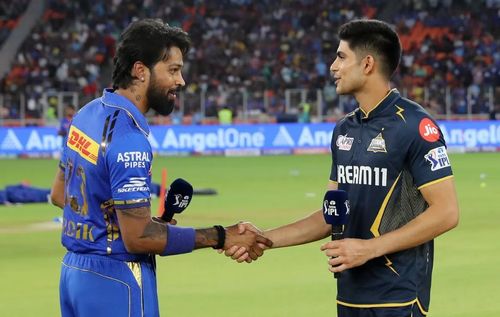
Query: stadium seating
(260,46)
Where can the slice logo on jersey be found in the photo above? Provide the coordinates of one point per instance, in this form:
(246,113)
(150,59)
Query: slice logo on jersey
(344,143)
(135,184)
(438,158)
(428,130)
(133,159)
(377,144)
(83,145)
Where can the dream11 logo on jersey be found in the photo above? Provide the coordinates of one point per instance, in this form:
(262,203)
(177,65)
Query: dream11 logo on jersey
(428,130)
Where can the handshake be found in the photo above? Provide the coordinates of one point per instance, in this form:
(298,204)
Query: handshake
(244,242)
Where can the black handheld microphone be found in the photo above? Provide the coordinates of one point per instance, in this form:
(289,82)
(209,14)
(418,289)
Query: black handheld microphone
(178,198)
(335,211)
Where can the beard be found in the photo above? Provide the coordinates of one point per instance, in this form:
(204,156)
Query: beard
(158,99)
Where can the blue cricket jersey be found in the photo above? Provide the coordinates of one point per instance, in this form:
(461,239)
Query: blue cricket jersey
(107,165)
(382,159)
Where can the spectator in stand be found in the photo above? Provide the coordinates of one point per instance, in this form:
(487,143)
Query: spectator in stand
(10,12)
(225,115)
(259,45)
(69,112)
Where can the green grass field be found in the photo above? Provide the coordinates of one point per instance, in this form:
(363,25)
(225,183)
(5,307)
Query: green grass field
(268,191)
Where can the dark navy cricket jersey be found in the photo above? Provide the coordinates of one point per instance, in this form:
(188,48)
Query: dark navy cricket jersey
(107,165)
(382,159)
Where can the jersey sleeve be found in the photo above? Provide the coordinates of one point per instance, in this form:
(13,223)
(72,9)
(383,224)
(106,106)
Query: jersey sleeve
(63,160)
(129,159)
(428,157)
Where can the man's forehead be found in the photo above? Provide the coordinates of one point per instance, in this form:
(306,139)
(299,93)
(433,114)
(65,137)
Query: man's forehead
(344,47)
(173,57)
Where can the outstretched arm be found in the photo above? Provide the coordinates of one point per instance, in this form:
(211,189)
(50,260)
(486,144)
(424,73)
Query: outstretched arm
(308,229)
(143,234)
(441,216)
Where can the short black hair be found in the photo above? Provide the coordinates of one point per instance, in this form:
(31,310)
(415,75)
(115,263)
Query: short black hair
(148,41)
(376,37)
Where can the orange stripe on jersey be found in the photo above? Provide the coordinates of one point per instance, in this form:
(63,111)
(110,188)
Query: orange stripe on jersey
(83,144)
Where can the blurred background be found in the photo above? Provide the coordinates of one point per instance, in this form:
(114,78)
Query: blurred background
(265,61)
(257,85)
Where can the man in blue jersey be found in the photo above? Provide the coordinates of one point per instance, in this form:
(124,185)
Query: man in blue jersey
(390,156)
(104,180)
(69,112)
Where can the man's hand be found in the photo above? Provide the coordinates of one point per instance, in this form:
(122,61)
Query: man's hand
(240,253)
(348,253)
(173,222)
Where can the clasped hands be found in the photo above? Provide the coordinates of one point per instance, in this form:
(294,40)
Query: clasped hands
(342,254)
(245,242)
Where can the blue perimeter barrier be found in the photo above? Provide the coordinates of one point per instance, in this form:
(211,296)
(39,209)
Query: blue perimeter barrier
(255,139)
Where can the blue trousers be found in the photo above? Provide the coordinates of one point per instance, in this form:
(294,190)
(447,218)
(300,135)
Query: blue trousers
(95,285)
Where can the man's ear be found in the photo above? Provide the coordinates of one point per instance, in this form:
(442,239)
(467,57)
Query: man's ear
(140,71)
(368,63)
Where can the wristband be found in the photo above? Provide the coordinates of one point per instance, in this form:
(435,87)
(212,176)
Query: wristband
(221,237)
(179,240)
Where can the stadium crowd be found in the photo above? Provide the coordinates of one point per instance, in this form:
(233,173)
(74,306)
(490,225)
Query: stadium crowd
(10,11)
(264,47)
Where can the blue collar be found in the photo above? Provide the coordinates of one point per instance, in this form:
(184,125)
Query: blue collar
(388,100)
(110,99)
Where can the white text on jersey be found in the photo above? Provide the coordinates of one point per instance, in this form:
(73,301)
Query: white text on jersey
(362,175)
(133,159)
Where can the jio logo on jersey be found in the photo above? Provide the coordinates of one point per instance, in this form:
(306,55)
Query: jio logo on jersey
(438,158)
(428,130)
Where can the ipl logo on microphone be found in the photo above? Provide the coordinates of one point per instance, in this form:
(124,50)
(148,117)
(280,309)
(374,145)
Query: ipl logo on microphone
(330,208)
(180,201)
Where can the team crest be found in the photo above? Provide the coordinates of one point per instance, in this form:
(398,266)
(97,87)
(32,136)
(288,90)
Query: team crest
(344,143)
(377,144)
(438,158)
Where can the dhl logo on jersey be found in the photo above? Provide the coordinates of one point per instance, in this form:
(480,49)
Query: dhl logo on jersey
(83,144)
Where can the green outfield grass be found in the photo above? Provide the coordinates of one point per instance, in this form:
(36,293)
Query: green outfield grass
(268,191)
